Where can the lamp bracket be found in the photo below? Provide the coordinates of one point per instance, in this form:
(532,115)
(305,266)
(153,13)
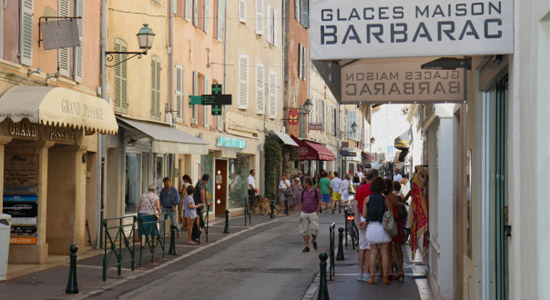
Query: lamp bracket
(111,55)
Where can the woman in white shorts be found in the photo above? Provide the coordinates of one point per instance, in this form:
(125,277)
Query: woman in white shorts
(373,211)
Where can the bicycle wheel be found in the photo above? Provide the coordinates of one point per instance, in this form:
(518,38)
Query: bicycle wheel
(354,235)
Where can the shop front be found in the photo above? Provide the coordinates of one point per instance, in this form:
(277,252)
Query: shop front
(48,168)
(313,155)
(352,160)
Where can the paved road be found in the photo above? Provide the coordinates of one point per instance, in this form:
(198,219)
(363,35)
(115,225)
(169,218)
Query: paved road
(264,263)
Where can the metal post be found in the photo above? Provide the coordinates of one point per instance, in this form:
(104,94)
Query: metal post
(331,235)
(323,288)
(72,283)
(172,250)
(340,255)
(226,229)
(286,207)
(245,212)
(346,231)
(271,215)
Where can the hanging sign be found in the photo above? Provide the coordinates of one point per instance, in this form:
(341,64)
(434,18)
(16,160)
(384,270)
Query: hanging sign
(293,117)
(350,29)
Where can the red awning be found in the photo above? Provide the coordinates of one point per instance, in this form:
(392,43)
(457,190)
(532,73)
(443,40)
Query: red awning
(308,150)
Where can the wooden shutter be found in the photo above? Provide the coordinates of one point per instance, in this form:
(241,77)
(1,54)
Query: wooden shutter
(26,32)
(63,54)
(299,59)
(221,20)
(275,22)
(305,13)
(121,78)
(78,51)
(304,60)
(206,107)
(206,14)
(269,19)
(243,81)
(272,94)
(196,13)
(179,92)
(260,89)
(242,11)
(297,13)
(188,10)
(260,17)
(195,93)
(155,88)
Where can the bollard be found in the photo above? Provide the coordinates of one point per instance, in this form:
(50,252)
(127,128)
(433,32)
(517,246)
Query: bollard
(286,207)
(331,236)
(323,288)
(72,284)
(340,255)
(271,216)
(172,250)
(226,229)
(346,231)
(245,213)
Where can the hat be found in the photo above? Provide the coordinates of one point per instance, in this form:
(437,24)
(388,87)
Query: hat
(152,187)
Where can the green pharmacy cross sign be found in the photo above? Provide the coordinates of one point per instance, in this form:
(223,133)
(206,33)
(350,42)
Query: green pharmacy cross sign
(216,100)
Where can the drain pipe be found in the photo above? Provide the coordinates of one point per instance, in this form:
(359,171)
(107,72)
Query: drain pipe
(171,52)
(101,139)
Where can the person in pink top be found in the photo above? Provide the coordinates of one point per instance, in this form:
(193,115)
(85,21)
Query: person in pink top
(310,204)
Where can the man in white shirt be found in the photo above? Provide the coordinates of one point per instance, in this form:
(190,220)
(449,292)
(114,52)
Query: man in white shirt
(252,190)
(336,197)
(361,176)
(397,177)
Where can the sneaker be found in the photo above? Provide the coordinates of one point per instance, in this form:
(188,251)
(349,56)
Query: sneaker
(360,277)
(315,246)
(366,277)
(306,249)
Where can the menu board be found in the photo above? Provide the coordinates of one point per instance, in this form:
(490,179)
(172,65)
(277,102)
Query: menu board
(20,197)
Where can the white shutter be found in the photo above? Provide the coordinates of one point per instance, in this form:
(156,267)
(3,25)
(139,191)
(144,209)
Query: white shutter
(78,52)
(221,19)
(26,32)
(297,12)
(195,93)
(305,13)
(242,11)
(206,14)
(269,18)
(206,107)
(299,59)
(243,81)
(155,88)
(63,54)
(272,95)
(188,9)
(260,17)
(179,92)
(260,89)
(304,59)
(274,23)
(196,13)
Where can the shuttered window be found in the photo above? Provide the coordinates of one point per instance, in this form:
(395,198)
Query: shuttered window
(297,10)
(155,88)
(260,89)
(195,93)
(206,107)
(274,22)
(26,32)
(269,19)
(243,81)
(272,94)
(300,60)
(221,20)
(242,11)
(121,78)
(63,54)
(196,13)
(260,17)
(179,93)
(303,63)
(206,14)
(305,13)
(78,52)
(188,10)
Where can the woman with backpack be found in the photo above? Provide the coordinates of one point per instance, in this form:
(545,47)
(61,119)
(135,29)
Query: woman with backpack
(399,212)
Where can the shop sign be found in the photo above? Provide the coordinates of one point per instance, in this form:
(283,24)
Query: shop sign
(62,135)
(231,142)
(302,151)
(23,221)
(293,117)
(23,229)
(350,29)
(22,240)
(23,129)
(19,190)
(21,162)
(21,209)
(344,152)
(315,126)
(20,198)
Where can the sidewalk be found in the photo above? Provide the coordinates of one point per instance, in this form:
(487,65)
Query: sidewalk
(35,282)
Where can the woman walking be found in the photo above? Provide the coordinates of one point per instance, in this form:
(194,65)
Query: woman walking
(295,194)
(393,199)
(344,189)
(181,214)
(316,180)
(191,213)
(284,191)
(148,208)
(373,210)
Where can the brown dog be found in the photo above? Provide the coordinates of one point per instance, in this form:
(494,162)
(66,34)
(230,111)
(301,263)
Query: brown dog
(262,205)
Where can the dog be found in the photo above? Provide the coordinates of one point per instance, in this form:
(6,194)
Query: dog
(262,205)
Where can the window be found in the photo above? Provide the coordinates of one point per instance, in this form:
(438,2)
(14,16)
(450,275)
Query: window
(298,10)
(155,88)
(121,78)
(260,17)
(188,10)
(301,12)
(271,25)
(206,107)
(242,11)
(195,119)
(133,182)
(301,62)
(272,94)
(260,89)
(221,20)
(26,32)
(196,13)
(206,15)
(179,92)
(68,8)
(243,81)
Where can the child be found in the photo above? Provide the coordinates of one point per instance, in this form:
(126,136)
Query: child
(190,213)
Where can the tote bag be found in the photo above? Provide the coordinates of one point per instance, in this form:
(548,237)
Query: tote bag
(389,223)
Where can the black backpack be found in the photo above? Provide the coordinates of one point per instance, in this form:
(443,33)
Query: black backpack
(402,210)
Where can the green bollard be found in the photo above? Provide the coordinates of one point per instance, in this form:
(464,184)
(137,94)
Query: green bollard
(72,284)
(340,255)
(323,287)
(226,229)
(172,250)
(271,216)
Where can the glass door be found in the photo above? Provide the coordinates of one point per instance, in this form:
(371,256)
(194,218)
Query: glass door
(133,185)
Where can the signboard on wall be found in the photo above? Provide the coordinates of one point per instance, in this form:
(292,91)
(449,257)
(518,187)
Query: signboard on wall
(349,29)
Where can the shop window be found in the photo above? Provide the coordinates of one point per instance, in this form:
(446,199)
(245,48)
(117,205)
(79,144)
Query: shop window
(238,173)
(159,171)
(133,188)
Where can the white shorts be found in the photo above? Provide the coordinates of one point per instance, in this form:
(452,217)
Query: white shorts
(376,234)
(363,243)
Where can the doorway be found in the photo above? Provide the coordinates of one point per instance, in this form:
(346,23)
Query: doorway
(220,186)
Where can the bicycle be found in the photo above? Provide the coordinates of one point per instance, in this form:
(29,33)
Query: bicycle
(351,228)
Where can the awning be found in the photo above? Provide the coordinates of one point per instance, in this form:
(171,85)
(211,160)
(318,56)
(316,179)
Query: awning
(308,150)
(55,106)
(367,158)
(167,139)
(285,138)
(403,141)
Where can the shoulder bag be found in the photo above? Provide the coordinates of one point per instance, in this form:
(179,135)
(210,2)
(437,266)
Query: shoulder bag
(389,223)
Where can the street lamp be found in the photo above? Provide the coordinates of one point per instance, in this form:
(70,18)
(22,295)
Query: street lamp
(145,38)
(307,106)
(354,127)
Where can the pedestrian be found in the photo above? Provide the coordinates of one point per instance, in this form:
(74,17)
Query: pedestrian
(181,206)
(396,176)
(200,195)
(356,181)
(169,199)
(310,204)
(296,192)
(252,190)
(148,208)
(364,248)
(324,185)
(396,203)
(284,191)
(335,184)
(344,189)
(316,180)
(360,175)
(191,213)
(373,210)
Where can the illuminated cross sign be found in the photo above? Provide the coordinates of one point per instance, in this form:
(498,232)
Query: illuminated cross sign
(216,100)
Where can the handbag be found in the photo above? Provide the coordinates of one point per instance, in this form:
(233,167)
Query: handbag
(389,223)
(351,189)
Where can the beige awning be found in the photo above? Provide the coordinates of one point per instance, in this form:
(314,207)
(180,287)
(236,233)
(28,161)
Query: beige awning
(55,106)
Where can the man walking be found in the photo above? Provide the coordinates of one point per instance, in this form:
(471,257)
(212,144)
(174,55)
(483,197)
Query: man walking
(310,204)
(252,190)
(324,185)
(169,199)
(364,248)
(396,176)
(200,197)
(336,197)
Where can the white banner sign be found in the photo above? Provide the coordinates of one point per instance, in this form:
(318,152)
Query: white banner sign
(350,29)
(402,81)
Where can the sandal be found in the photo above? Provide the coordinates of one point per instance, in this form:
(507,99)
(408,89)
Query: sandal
(306,249)
(315,245)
